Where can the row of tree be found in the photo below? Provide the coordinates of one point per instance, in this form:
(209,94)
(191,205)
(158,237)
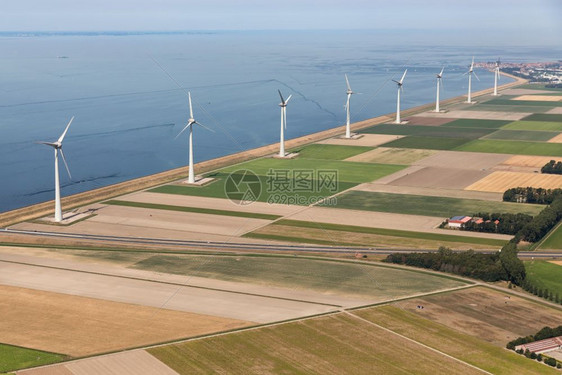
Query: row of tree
(541,292)
(502,265)
(552,167)
(531,195)
(539,357)
(507,223)
(542,223)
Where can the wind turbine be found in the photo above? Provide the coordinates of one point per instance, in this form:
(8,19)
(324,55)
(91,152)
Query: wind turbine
(399,83)
(496,76)
(283,106)
(470,72)
(349,93)
(439,83)
(58,147)
(190,122)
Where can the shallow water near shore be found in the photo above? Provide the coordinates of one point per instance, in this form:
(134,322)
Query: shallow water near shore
(128,110)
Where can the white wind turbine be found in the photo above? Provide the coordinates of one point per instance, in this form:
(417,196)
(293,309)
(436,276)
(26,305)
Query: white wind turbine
(58,147)
(348,117)
(439,84)
(496,76)
(399,83)
(283,106)
(190,122)
(470,72)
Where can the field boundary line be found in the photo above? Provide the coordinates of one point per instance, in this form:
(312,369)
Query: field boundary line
(538,244)
(416,342)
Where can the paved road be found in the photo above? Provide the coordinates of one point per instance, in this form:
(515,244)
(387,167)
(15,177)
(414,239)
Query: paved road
(215,245)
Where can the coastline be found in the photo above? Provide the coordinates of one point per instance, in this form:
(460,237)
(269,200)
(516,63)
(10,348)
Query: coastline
(80,199)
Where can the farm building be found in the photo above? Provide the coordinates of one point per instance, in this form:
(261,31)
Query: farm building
(457,221)
(542,346)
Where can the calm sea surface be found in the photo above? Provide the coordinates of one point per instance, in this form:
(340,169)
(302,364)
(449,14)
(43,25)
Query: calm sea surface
(128,111)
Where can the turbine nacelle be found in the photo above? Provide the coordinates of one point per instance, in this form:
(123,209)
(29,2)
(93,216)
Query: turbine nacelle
(283,101)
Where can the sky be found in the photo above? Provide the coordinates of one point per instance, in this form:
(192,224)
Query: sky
(516,19)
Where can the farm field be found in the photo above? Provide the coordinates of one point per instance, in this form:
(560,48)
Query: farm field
(385,155)
(500,181)
(430,206)
(490,315)
(511,147)
(470,349)
(432,131)
(529,161)
(335,234)
(330,152)
(431,143)
(469,123)
(522,135)
(340,278)
(534,125)
(509,102)
(79,326)
(524,110)
(554,240)
(339,343)
(544,117)
(545,274)
(14,358)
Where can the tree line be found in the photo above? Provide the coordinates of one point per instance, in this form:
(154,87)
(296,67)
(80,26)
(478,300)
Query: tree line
(544,333)
(508,223)
(531,195)
(552,167)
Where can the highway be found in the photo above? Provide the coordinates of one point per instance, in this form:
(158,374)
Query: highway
(258,247)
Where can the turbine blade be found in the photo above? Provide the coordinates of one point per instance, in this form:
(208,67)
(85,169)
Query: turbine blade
(476,76)
(281,96)
(46,143)
(395,81)
(65,130)
(441,83)
(190,107)
(289,98)
(187,126)
(347,82)
(203,126)
(441,74)
(65,164)
(403,76)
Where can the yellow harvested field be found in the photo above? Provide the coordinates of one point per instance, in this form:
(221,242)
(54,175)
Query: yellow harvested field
(386,155)
(557,262)
(540,98)
(80,326)
(529,161)
(557,139)
(501,181)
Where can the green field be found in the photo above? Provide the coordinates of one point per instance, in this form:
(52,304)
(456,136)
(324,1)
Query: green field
(428,206)
(554,240)
(535,125)
(467,348)
(335,277)
(197,210)
(508,108)
(279,179)
(330,152)
(14,358)
(349,229)
(335,344)
(534,103)
(522,135)
(543,117)
(468,123)
(539,86)
(431,143)
(512,147)
(544,274)
(429,131)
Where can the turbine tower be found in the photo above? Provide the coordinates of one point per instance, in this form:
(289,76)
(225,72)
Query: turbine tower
(348,117)
(58,147)
(283,106)
(439,83)
(470,72)
(496,77)
(399,84)
(190,122)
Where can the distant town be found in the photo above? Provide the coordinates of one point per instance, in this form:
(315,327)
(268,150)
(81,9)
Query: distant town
(543,72)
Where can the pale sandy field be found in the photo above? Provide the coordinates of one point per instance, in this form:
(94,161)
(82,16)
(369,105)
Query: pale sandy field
(557,139)
(555,111)
(79,326)
(478,115)
(432,192)
(371,140)
(463,160)
(540,98)
(529,161)
(500,181)
(437,177)
(133,362)
(386,155)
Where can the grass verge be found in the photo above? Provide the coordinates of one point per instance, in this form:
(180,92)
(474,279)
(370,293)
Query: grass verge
(14,358)
(544,274)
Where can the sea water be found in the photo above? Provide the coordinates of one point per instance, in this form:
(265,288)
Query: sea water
(128,96)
